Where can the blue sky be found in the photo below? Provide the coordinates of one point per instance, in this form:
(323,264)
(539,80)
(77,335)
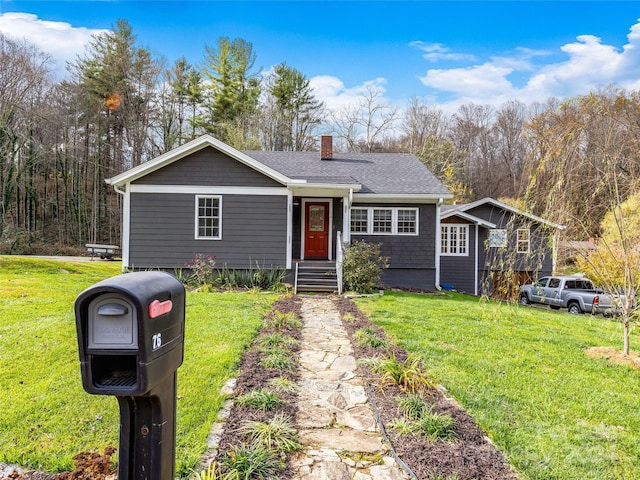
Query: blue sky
(447,52)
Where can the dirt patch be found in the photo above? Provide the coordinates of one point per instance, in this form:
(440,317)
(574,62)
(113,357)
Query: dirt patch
(613,355)
(471,457)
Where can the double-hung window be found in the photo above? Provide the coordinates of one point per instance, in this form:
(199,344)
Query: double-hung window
(208,217)
(384,221)
(523,240)
(454,239)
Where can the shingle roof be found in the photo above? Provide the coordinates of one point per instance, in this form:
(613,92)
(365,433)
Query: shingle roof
(378,173)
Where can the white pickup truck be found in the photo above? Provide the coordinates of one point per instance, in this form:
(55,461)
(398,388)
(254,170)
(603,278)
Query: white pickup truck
(576,294)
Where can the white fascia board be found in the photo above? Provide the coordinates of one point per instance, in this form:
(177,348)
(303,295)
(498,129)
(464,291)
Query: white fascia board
(322,189)
(188,148)
(504,206)
(398,198)
(470,218)
(208,189)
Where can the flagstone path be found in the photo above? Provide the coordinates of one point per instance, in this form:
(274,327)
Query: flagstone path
(336,422)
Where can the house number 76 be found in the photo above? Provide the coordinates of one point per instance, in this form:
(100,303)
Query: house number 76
(156,341)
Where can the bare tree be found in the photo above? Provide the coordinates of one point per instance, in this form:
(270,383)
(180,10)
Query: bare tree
(364,125)
(587,165)
(25,78)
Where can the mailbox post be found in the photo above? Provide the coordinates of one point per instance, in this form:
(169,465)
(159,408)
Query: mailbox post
(131,343)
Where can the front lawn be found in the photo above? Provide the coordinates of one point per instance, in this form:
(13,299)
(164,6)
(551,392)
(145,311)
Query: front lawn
(47,417)
(522,373)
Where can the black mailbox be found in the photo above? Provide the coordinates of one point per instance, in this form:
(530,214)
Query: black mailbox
(130,332)
(131,343)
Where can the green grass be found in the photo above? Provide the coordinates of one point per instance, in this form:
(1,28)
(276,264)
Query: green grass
(522,373)
(47,417)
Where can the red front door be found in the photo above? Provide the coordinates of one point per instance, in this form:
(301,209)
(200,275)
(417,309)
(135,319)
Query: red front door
(316,230)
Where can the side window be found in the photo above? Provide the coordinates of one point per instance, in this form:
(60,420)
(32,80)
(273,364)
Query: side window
(554,283)
(543,281)
(570,284)
(208,217)
(523,240)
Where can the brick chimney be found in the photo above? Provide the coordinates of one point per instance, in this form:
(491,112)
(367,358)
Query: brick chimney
(326,147)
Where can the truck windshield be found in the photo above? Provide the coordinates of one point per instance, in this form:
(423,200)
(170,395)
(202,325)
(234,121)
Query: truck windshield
(543,281)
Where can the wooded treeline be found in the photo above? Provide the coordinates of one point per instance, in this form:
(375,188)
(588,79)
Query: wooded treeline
(120,106)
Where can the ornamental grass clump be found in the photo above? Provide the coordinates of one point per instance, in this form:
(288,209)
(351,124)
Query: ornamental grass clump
(277,359)
(408,374)
(277,434)
(368,337)
(283,321)
(262,399)
(249,461)
(421,419)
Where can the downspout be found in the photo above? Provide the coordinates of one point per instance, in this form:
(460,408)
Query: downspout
(438,244)
(475,271)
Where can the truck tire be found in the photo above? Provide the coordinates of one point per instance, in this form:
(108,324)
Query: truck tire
(574,307)
(524,299)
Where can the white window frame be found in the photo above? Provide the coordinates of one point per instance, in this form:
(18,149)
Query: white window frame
(198,217)
(526,241)
(446,247)
(368,222)
(394,221)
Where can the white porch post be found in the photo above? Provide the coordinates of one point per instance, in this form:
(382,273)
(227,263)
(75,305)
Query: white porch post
(438,240)
(346,217)
(289,229)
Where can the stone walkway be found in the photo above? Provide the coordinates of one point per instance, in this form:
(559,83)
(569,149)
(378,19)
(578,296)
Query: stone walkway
(337,427)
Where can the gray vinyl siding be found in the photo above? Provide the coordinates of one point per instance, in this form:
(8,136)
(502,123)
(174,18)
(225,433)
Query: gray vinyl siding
(412,258)
(538,262)
(458,271)
(162,231)
(208,167)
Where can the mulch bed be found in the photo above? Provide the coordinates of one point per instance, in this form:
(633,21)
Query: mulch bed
(254,376)
(471,457)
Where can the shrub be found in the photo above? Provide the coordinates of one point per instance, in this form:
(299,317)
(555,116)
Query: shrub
(362,266)
(202,268)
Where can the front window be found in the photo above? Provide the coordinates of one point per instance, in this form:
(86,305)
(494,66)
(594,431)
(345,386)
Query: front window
(523,240)
(208,217)
(359,220)
(384,221)
(407,221)
(454,239)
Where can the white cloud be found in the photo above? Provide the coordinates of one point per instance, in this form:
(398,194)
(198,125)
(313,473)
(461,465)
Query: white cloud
(588,64)
(335,95)
(59,39)
(435,52)
(481,79)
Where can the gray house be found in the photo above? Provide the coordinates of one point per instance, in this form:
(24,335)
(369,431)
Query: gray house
(489,247)
(281,209)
